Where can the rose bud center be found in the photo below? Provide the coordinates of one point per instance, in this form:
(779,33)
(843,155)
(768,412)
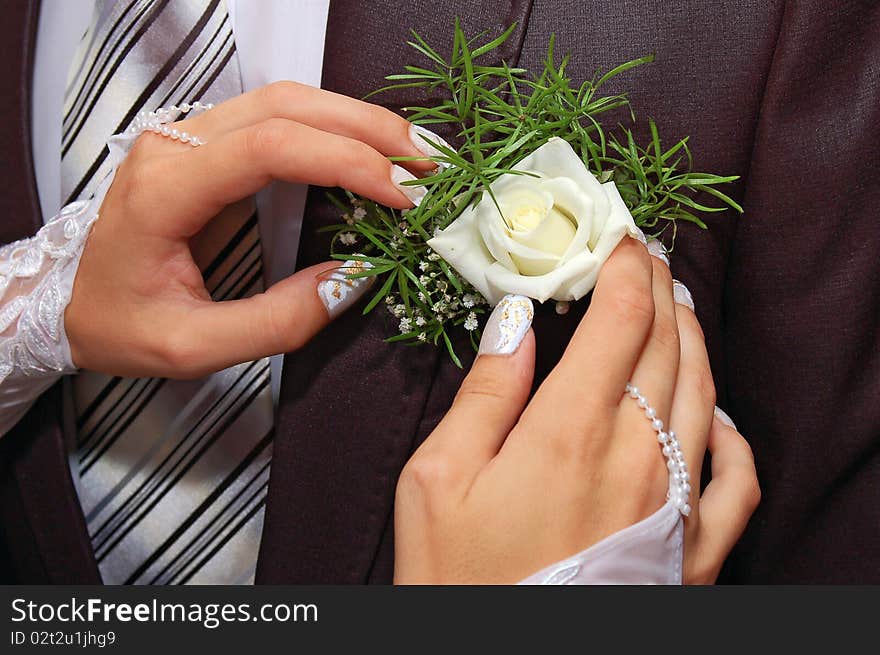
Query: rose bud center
(532,219)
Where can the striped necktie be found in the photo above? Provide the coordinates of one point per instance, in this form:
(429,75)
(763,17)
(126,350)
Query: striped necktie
(172,475)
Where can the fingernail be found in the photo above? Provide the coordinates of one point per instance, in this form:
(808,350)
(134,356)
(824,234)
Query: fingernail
(682,295)
(414,193)
(724,418)
(506,327)
(658,250)
(640,236)
(338,292)
(416,132)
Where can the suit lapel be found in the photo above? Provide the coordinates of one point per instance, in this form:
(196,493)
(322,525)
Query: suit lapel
(19,205)
(353,408)
(44,531)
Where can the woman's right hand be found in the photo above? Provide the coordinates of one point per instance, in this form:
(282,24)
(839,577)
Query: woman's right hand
(139,305)
(506,486)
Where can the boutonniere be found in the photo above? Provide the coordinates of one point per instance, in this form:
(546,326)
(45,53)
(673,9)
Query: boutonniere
(533,200)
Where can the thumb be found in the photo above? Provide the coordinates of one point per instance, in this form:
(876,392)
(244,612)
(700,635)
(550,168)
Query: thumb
(495,391)
(279,320)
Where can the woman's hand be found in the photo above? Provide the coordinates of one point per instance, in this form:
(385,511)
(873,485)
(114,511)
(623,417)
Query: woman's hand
(139,304)
(506,486)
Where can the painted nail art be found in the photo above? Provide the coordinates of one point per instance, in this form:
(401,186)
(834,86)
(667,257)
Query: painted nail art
(682,295)
(658,250)
(724,418)
(416,132)
(337,292)
(414,193)
(506,327)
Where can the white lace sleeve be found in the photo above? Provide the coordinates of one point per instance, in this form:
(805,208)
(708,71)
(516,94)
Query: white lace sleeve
(36,281)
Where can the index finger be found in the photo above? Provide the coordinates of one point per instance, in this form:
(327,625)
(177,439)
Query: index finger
(492,395)
(380,128)
(591,377)
(201,181)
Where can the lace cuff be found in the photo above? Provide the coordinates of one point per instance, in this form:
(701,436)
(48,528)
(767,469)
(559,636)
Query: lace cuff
(36,282)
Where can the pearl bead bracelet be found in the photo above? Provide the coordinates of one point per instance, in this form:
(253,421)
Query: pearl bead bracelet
(679,478)
(157,122)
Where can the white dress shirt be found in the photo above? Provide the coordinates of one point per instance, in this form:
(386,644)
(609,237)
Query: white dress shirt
(282,40)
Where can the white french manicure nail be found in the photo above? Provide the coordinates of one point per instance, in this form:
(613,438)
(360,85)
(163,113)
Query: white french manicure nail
(338,292)
(658,250)
(506,327)
(640,237)
(724,418)
(682,295)
(416,134)
(414,193)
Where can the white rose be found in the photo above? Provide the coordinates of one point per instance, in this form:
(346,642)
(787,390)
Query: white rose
(556,232)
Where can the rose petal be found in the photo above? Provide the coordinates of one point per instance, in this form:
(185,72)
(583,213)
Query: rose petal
(492,230)
(461,245)
(528,194)
(497,240)
(501,245)
(554,232)
(618,224)
(557,158)
(581,207)
(571,281)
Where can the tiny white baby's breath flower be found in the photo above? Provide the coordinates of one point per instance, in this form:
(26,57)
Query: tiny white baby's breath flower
(348,219)
(399,310)
(359,213)
(470,322)
(420,321)
(468,300)
(434,257)
(348,238)
(423,337)
(389,300)
(423,266)
(424,280)
(405,325)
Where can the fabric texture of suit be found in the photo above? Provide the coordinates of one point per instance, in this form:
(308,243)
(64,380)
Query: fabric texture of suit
(784,94)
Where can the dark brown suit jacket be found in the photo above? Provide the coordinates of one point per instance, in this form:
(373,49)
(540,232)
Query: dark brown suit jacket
(785,94)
